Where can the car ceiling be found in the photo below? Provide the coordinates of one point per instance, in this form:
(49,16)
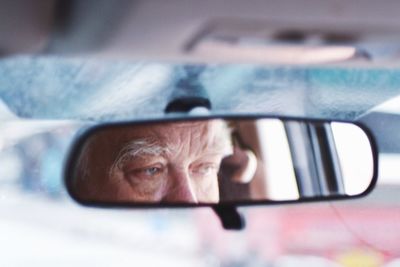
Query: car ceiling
(180,29)
(97,60)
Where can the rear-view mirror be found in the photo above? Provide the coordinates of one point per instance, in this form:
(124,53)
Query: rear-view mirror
(208,161)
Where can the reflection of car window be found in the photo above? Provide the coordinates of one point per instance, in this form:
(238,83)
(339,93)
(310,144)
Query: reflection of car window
(282,183)
(355,158)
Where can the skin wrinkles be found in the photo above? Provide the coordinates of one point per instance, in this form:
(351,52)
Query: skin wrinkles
(171,162)
(137,149)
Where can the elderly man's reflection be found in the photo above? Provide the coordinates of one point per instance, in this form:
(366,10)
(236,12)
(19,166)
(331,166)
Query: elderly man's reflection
(171,162)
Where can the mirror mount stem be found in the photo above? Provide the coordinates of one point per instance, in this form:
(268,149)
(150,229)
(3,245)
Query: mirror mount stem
(189,93)
(230,217)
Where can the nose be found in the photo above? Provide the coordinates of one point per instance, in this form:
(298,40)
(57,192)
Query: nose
(180,188)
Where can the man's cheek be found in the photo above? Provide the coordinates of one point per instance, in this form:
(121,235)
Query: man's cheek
(150,190)
(207,190)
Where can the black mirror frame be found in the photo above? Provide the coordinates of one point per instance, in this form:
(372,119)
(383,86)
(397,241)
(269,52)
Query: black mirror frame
(85,133)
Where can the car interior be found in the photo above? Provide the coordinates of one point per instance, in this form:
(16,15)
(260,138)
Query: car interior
(307,92)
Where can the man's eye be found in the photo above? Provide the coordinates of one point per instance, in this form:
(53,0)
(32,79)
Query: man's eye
(147,172)
(151,171)
(205,169)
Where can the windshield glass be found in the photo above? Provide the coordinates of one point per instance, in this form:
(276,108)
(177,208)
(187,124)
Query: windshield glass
(45,101)
(104,90)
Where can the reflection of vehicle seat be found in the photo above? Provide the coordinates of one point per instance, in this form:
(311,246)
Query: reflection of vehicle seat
(229,189)
(238,170)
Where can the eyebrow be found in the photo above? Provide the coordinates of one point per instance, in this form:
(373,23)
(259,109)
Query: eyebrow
(137,148)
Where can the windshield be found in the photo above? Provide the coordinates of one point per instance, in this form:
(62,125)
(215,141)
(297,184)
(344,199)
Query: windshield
(47,100)
(104,90)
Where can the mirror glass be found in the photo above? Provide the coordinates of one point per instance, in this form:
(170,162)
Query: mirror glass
(219,161)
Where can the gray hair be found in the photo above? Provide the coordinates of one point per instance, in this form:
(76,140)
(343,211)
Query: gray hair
(136,148)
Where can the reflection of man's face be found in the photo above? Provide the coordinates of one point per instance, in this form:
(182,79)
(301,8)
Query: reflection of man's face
(175,162)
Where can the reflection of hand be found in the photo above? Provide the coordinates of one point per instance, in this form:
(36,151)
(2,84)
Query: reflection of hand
(243,164)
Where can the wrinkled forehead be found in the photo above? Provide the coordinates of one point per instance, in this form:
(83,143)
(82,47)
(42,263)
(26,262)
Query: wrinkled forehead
(211,133)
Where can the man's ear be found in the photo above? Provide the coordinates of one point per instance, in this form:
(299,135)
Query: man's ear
(242,165)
